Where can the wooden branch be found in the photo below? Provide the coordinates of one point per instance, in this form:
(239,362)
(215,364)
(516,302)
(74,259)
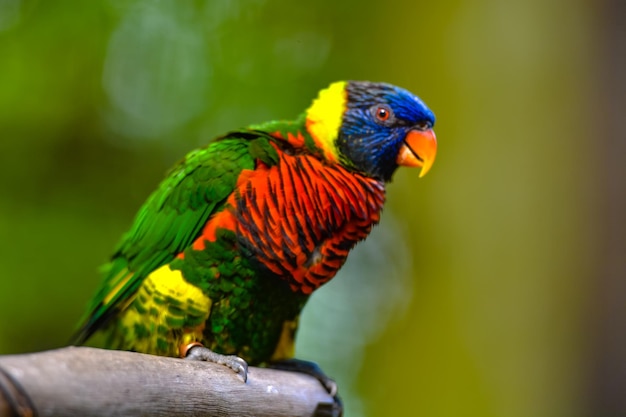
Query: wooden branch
(88,382)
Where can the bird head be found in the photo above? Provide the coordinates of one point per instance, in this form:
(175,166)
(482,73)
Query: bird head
(372,128)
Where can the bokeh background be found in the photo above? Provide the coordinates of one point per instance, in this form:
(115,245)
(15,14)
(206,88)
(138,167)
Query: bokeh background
(494,286)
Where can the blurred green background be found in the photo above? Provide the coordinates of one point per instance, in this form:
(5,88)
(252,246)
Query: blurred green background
(492,287)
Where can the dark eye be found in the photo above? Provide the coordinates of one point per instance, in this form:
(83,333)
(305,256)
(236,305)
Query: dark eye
(382,113)
(423,125)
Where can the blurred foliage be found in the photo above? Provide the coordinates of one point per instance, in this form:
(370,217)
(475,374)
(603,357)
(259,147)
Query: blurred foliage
(469,300)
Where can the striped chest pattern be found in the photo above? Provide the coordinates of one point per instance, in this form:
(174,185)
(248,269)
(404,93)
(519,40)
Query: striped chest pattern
(299,218)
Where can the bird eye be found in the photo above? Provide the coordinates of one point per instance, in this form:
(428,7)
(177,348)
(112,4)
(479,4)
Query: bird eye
(423,125)
(382,113)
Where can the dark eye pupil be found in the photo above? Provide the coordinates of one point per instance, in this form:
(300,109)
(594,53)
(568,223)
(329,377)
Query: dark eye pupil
(383,114)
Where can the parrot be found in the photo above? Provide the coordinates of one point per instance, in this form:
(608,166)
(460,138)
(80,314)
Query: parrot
(221,259)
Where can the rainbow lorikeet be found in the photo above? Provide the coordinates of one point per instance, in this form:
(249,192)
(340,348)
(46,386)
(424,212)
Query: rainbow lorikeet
(228,249)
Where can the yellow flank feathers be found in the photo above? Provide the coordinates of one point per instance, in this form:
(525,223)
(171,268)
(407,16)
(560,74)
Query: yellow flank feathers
(165,301)
(324,118)
(170,282)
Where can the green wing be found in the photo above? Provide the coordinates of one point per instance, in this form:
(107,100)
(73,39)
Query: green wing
(172,218)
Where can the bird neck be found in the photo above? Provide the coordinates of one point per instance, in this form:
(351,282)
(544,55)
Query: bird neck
(317,129)
(292,136)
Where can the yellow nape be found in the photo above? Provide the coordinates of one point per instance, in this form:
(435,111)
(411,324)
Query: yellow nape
(324,117)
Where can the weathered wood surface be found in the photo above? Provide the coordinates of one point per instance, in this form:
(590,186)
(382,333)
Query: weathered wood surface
(88,382)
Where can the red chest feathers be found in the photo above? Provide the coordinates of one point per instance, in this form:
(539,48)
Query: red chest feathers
(300,217)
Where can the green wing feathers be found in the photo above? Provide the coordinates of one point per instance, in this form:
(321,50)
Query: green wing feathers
(169,221)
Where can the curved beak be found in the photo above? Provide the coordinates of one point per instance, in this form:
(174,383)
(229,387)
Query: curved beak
(418,150)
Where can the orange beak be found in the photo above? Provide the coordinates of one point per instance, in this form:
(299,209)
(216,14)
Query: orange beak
(418,150)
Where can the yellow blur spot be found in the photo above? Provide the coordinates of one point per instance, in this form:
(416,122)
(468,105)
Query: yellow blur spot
(285,349)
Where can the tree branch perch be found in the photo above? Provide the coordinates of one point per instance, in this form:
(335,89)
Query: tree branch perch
(89,382)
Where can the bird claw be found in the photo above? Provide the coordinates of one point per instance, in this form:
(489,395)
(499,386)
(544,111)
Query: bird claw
(329,409)
(331,387)
(334,409)
(201,353)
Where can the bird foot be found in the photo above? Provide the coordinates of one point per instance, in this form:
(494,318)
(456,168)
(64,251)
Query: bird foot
(196,352)
(311,368)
